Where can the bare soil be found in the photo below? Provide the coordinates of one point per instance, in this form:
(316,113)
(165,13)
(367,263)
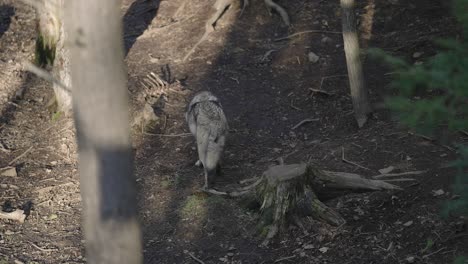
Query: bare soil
(264,86)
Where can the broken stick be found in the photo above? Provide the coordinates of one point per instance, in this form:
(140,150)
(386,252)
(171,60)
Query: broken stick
(350,162)
(307,120)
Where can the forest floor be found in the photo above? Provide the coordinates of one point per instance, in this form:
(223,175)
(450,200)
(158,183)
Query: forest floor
(265,85)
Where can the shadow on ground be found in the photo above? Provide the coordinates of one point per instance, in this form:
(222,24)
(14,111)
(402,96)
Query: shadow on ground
(137,19)
(6,12)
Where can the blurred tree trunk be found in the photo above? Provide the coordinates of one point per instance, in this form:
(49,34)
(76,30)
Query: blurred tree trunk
(101,113)
(51,51)
(356,79)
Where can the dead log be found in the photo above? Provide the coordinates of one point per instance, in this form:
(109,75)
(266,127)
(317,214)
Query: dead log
(288,191)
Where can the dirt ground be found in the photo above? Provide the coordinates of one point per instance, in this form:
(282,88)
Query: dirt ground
(264,85)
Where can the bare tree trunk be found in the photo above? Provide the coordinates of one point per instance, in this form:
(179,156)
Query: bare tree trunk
(51,50)
(101,112)
(356,79)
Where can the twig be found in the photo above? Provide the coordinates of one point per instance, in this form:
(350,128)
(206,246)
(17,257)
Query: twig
(168,135)
(17,215)
(320,91)
(305,32)
(284,258)
(401,179)
(307,120)
(195,258)
(294,107)
(284,15)
(20,156)
(42,249)
(350,162)
(435,252)
(329,77)
(421,136)
(397,174)
(179,10)
(44,75)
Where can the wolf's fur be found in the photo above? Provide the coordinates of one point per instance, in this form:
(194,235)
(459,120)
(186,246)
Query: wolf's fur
(208,124)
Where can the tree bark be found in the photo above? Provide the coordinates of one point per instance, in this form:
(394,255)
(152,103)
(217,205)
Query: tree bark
(51,51)
(101,114)
(356,79)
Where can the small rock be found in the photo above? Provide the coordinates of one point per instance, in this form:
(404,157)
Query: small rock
(313,57)
(302,254)
(408,223)
(323,249)
(53,163)
(230,254)
(8,172)
(53,216)
(324,22)
(386,170)
(9,233)
(417,54)
(177,149)
(438,192)
(308,246)
(326,40)
(418,63)
(410,259)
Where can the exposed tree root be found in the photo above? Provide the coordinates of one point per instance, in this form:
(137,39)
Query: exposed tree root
(284,15)
(220,6)
(287,191)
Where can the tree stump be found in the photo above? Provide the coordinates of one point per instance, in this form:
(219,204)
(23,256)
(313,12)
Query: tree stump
(289,191)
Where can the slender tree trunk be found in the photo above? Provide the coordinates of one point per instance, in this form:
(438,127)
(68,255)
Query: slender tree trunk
(51,50)
(356,79)
(101,112)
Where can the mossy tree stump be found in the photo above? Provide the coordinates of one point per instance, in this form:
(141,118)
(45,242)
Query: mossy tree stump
(286,192)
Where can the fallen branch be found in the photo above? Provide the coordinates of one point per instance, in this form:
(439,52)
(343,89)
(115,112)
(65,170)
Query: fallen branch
(306,32)
(284,15)
(42,249)
(20,156)
(350,162)
(17,215)
(397,174)
(307,120)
